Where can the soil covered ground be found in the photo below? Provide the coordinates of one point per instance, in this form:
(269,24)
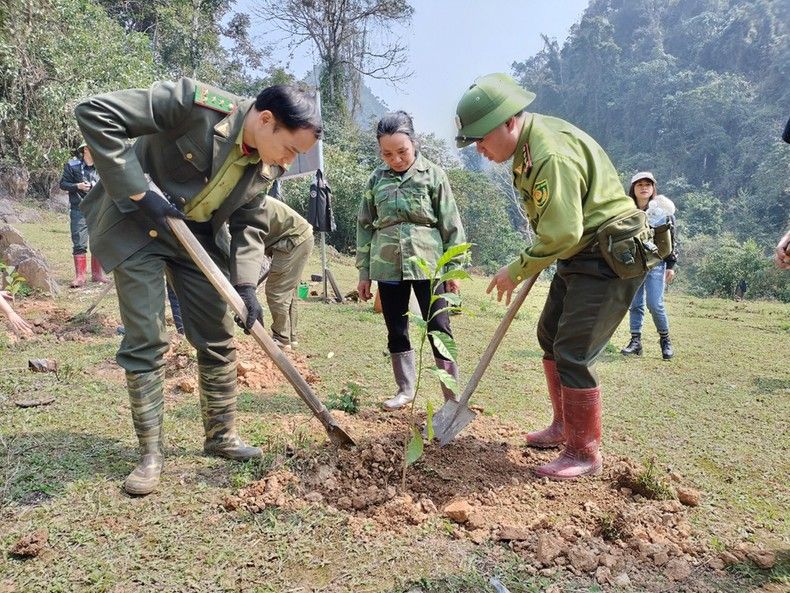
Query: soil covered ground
(481,486)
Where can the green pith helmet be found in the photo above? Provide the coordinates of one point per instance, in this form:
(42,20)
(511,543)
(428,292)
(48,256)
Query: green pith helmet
(81,148)
(488,103)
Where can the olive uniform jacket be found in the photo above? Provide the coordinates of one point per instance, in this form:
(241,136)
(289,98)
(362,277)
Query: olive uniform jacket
(184,132)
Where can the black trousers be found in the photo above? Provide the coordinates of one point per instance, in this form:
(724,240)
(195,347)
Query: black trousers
(585,304)
(395,305)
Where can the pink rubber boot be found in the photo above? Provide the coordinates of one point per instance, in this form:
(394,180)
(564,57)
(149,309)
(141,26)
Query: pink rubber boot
(552,436)
(582,416)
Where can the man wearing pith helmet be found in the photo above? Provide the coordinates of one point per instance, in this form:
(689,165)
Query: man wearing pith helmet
(570,189)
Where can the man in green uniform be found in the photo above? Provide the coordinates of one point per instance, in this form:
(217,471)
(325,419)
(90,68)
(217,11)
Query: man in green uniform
(289,241)
(570,188)
(213,155)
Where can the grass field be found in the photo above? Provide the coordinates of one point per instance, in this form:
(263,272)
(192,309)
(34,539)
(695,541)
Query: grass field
(717,415)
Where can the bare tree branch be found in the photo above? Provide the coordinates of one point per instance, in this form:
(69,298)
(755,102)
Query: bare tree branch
(353,38)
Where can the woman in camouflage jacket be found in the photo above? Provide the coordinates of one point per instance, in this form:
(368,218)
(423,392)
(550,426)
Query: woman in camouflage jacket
(408,210)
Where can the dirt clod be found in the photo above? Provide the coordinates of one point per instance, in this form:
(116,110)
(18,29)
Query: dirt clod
(513,533)
(689,496)
(677,569)
(583,559)
(30,545)
(458,511)
(764,559)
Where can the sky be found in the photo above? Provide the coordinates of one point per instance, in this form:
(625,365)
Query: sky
(450,43)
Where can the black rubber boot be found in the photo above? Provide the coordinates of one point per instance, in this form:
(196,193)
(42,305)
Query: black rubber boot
(666,347)
(634,346)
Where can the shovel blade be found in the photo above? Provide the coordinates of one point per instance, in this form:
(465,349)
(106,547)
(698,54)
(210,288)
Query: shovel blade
(339,437)
(451,419)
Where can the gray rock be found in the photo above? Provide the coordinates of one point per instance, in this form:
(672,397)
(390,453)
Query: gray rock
(15,181)
(27,261)
(12,212)
(58,201)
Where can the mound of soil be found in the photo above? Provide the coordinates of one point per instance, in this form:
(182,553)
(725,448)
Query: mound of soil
(30,545)
(48,318)
(483,487)
(256,371)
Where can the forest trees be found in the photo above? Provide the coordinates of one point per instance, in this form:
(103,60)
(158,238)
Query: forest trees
(695,91)
(48,58)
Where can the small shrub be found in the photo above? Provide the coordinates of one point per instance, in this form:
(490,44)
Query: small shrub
(651,485)
(348,399)
(646,482)
(611,526)
(14,282)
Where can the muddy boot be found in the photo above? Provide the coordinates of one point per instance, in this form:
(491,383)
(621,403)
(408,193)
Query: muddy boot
(147,403)
(666,347)
(217,385)
(80,270)
(553,435)
(97,273)
(634,346)
(452,369)
(582,417)
(405,377)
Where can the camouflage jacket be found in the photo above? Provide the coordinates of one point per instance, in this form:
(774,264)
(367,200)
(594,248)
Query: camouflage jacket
(406,214)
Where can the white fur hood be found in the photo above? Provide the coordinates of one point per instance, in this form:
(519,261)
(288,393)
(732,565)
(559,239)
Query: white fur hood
(664,203)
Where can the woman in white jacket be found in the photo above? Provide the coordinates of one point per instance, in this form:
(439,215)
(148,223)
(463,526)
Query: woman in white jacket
(658,208)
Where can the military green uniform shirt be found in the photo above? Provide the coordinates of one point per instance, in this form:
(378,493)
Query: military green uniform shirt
(569,187)
(406,214)
(182,135)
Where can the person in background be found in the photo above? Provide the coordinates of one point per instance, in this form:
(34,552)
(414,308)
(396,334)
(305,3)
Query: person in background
(79,176)
(782,250)
(659,209)
(18,325)
(289,242)
(572,194)
(408,209)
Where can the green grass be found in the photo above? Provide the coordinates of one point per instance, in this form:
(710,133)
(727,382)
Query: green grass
(717,414)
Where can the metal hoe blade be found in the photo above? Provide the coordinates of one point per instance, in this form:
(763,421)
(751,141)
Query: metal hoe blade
(454,416)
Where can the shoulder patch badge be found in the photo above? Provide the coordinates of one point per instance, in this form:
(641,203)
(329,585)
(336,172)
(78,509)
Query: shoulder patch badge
(206,97)
(540,193)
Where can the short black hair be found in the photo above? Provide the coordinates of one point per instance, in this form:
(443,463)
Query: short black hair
(395,122)
(293,107)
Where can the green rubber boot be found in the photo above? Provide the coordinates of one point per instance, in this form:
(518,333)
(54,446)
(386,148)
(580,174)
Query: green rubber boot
(146,399)
(218,407)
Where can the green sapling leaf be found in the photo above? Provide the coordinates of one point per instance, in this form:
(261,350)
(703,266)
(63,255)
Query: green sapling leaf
(446,378)
(451,253)
(444,344)
(457,274)
(421,263)
(418,321)
(415,447)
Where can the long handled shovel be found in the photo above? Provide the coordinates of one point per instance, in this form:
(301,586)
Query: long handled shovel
(198,254)
(80,317)
(454,416)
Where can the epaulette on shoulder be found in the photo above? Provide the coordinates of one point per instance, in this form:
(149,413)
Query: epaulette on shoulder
(212,98)
(73,162)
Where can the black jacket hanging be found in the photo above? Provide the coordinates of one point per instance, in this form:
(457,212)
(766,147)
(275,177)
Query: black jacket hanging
(319,210)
